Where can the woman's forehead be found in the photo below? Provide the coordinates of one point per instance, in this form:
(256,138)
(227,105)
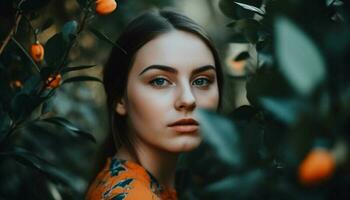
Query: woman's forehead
(176,49)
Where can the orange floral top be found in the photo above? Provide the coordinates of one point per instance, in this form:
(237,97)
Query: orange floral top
(126,180)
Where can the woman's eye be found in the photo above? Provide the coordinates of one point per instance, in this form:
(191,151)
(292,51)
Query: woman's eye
(201,82)
(160,82)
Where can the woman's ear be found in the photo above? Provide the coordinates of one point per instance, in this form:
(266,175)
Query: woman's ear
(120,107)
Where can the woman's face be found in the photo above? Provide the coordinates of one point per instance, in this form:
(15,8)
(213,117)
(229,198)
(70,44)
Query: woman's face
(172,76)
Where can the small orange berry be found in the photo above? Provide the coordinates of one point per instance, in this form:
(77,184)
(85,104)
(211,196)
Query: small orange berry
(317,167)
(104,7)
(53,81)
(16,84)
(37,52)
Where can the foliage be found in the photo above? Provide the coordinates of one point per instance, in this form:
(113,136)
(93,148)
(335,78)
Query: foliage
(299,102)
(32,138)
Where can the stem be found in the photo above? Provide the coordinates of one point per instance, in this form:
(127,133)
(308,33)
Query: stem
(11,33)
(8,134)
(83,20)
(31,27)
(36,67)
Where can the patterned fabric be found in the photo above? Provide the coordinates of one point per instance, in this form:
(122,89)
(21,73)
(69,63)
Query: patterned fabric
(126,180)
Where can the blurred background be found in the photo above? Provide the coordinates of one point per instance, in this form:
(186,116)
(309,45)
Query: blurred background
(260,139)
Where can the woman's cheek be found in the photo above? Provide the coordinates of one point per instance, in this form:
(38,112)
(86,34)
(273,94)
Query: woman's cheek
(208,98)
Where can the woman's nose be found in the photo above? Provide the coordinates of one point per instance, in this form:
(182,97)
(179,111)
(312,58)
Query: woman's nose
(185,101)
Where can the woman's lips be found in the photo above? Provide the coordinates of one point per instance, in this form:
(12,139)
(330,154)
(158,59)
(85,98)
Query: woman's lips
(185,128)
(185,125)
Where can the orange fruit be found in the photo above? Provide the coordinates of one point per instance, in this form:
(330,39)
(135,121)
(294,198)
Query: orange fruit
(104,7)
(317,167)
(37,52)
(53,81)
(16,84)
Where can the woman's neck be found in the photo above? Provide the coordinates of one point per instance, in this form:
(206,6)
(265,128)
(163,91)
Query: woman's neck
(161,164)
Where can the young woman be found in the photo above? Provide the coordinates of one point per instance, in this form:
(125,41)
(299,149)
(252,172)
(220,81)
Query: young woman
(165,69)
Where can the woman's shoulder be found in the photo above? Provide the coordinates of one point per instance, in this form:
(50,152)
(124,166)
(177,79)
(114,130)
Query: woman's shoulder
(122,180)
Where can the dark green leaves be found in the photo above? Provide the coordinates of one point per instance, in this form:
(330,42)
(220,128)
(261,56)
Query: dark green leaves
(69,127)
(35,162)
(69,69)
(221,134)
(103,37)
(69,30)
(239,10)
(242,56)
(300,60)
(5,124)
(26,158)
(263,84)
(35,66)
(251,8)
(23,104)
(286,110)
(81,78)
(58,46)
(249,28)
(55,50)
(239,186)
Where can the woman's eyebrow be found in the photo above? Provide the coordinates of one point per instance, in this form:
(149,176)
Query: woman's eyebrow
(202,69)
(160,67)
(173,70)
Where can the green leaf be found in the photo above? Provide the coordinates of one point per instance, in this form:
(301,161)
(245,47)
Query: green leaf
(59,121)
(235,11)
(55,50)
(36,67)
(103,37)
(81,78)
(248,27)
(242,56)
(21,106)
(334,2)
(5,124)
(244,112)
(263,84)
(26,158)
(299,59)
(251,8)
(239,186)
(69,69)
(33,161)
(31,84)
(46,72)
(69,30)
(286,110)
(221,134)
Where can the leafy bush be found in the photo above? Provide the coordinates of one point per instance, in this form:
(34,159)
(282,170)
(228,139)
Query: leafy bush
(292,141)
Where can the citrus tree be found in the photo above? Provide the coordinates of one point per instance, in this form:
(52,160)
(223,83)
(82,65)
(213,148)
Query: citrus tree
(292,141)
(32,136)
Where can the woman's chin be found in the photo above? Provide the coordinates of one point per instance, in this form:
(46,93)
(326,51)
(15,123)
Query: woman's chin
(187,144)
